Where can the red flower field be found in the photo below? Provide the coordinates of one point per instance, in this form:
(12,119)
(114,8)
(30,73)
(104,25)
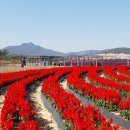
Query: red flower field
(105,91)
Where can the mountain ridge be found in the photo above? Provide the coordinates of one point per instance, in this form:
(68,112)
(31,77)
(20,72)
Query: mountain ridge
(30,49)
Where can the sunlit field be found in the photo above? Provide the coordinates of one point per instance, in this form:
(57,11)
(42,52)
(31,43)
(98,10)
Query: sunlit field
(65,98)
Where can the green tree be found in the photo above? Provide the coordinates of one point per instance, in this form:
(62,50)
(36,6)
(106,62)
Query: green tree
(3,54)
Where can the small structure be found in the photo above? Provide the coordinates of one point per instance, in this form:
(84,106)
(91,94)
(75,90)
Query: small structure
(98,60)
(44,60)
(114,56)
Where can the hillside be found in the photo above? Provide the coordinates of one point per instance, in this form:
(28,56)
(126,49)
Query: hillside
(117,50)
(30,49)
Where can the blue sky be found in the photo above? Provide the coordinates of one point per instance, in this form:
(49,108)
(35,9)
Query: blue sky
(65,25)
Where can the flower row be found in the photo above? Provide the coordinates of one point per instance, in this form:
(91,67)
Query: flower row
(77,116)
(105,82)
(6,78)
(16,108)
(112,72)
(106,98)
(111,97)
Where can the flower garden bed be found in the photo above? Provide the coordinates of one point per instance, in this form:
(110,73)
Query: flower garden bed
(109,93)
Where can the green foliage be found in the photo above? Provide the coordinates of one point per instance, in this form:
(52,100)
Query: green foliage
(67,125)
(17,117)
(124,93)
(125,114)
(112,107)
(89,97)
(100,103)
(3,54)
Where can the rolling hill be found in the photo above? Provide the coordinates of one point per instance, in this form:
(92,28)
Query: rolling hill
(30,49)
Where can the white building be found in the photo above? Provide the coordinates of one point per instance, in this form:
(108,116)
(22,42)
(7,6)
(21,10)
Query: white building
(114,56)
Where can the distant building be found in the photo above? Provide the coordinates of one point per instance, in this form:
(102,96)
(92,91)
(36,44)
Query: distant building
(44,60)
(114,56)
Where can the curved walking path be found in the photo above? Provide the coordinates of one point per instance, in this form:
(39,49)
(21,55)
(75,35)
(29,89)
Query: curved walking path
(47,116)
(116,119)
(1,105)
(2,98)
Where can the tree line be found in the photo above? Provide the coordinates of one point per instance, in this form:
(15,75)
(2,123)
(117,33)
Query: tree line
(3,54)
(5,57)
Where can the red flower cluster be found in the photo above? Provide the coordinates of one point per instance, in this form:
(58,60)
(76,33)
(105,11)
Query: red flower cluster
(6,78)
(89,89)
(124,70)
(16,105)
(29,125)
(111,84)
(113,75)
(79,116)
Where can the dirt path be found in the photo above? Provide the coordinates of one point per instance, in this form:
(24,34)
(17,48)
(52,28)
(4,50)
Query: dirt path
(8,68)
(47,116)
(2,95)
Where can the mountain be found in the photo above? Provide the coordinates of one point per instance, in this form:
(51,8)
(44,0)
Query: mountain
(117,50)
(95,52)
(84,53)
(30,49)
